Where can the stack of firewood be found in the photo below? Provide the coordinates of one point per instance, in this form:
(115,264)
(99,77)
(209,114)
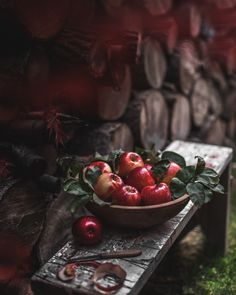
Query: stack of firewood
(141,73)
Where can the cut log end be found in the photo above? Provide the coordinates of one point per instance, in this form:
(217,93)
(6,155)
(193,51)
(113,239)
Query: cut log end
(111,102)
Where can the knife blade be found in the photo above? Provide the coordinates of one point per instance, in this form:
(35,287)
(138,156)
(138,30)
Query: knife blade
(107,255)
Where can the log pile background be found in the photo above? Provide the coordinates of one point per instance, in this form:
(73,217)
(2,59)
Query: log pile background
(135,73)
(138,72)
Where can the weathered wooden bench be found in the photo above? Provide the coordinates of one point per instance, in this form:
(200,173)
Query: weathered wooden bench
(155,242)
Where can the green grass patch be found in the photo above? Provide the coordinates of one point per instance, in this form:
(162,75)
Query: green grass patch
(217,276)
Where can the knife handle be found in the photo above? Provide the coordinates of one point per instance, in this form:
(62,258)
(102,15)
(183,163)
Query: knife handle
(123,253)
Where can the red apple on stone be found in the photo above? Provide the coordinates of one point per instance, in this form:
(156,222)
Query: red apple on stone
(139,178)
(103,167)
(87,230)
(106,184)
(126,196)
(156,194)
(171,172)
(129,161)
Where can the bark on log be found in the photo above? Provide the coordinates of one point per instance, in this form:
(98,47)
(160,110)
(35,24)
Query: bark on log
(200,102)
(158,7)
(183,66)
(103,139)
(147,116)
(43,19)
(111,102)
(152,69)
(180,118)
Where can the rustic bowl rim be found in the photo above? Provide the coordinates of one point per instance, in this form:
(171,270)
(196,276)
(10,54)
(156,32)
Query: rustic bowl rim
(176,201)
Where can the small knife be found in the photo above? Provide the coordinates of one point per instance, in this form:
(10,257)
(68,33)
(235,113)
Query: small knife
(107,255)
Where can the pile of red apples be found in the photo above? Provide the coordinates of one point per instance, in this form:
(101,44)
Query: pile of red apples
(134,183)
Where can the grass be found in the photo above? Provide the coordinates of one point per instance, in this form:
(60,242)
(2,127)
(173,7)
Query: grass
(191,269)
(218,275)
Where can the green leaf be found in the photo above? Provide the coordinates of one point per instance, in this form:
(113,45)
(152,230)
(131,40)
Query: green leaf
(91,176)
(149,155)
(74,187)
(186,174)
(210,173)
(196,193)
(98,201)
(174,157)
(160,169)
(207,180)
(177,188)
(208,196)
(200,165)
(98,157)
(114,158)
(218,189)
(80,202)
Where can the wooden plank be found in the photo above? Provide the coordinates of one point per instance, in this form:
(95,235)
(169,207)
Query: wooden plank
(154,242)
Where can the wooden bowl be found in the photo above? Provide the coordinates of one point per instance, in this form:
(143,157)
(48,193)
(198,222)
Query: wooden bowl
(138,217)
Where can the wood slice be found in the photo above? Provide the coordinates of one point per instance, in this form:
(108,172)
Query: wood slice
(22,210)
(42,18)
(147,116)
(164,29)
(189,20)
(180,118)
(111,102)
(216,134)
(200,102)
(151,71)
(158,7)
(103,139)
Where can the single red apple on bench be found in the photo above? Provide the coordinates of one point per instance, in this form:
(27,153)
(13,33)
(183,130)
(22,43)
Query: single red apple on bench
(87,230)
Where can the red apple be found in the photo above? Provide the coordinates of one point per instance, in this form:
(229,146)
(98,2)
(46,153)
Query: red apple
(87,230)
(106,184)
(103,167)
(126,196)
(171,172)
(139,178)
(128,162)
(156,194)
